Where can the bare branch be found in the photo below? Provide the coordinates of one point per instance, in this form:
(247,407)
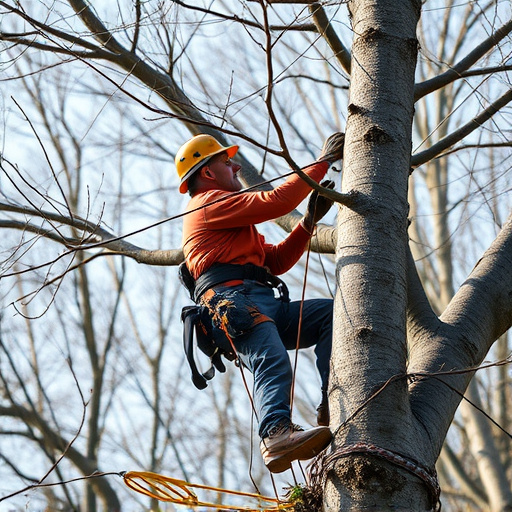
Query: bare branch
(54,48)
(75,221)
(43,28)
(454,73)
(486,71)
(327,31)
(45,233)
(219,14)
(456,136)
(313,79)
(138,13)
(478,146)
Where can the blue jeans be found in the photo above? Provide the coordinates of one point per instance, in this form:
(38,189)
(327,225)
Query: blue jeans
(262,329)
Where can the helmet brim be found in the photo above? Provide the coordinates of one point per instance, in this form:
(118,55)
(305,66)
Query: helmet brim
(230,150)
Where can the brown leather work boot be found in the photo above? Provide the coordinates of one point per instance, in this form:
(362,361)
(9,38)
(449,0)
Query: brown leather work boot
(322,412)
(286,443)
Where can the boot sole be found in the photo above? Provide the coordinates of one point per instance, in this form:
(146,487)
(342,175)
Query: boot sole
(310,448)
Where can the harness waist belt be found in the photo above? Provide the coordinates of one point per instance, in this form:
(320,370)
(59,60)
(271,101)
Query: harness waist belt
(223,272)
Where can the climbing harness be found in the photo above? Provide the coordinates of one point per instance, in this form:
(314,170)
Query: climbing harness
(197,320)
(222,272)
(164,488)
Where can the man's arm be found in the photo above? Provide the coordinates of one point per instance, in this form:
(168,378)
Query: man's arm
(282,257)
(252,208)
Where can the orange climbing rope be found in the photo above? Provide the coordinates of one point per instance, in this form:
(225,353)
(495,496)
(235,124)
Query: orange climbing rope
(177,491)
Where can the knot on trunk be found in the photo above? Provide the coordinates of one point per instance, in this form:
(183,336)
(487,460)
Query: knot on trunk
(364,333)
(377,135)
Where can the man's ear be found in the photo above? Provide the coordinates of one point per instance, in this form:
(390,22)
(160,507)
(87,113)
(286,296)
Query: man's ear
(205,171)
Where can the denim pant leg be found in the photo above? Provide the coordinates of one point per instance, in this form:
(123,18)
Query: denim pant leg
(263,348)
(316,330)
(263,353)
(250,309)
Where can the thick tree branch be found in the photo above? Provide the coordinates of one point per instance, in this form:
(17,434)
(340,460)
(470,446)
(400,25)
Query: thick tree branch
(324,239)
(75,221)
(479,313)
(326,30)
(484,299)
(97,236)
(456,136)
(455,72)
(38,230)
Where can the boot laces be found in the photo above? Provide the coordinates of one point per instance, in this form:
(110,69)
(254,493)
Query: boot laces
(283,427)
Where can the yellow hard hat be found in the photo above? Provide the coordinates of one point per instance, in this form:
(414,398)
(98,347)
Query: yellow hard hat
(194,153)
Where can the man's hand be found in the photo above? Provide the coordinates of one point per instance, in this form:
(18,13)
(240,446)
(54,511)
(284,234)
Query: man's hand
(318,206)
(332,150)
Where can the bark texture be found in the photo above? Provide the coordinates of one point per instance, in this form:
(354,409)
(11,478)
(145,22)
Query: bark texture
(399,371)
(370,311)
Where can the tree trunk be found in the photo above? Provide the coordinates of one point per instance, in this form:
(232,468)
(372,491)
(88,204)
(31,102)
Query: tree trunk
(370,309)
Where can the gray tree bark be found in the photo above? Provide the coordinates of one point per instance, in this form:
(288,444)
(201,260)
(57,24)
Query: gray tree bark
(391,428)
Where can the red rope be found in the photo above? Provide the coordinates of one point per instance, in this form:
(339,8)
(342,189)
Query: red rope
(299,329)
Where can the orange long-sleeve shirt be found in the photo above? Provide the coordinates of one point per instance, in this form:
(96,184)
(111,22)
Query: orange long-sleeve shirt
(225,232)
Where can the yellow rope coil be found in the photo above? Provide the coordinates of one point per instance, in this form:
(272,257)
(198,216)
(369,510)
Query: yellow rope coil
(177,491)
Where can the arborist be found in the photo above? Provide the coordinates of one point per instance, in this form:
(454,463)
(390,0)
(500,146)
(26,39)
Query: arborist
(234,271)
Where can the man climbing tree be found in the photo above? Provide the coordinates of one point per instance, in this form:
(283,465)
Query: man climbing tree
(234,270)
(392,398)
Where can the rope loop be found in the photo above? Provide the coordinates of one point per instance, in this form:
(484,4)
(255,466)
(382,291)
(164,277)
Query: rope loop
(427,475)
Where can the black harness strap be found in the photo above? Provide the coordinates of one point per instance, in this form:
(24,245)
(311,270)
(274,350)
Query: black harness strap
(192,318)
(222,272)
(190,315)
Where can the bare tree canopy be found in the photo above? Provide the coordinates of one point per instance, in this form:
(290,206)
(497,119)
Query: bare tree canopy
(96,100)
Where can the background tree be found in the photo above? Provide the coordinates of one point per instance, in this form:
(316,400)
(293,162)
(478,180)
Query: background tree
(453,207)
(285,93)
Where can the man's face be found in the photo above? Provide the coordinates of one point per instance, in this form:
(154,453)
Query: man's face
(225,172)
